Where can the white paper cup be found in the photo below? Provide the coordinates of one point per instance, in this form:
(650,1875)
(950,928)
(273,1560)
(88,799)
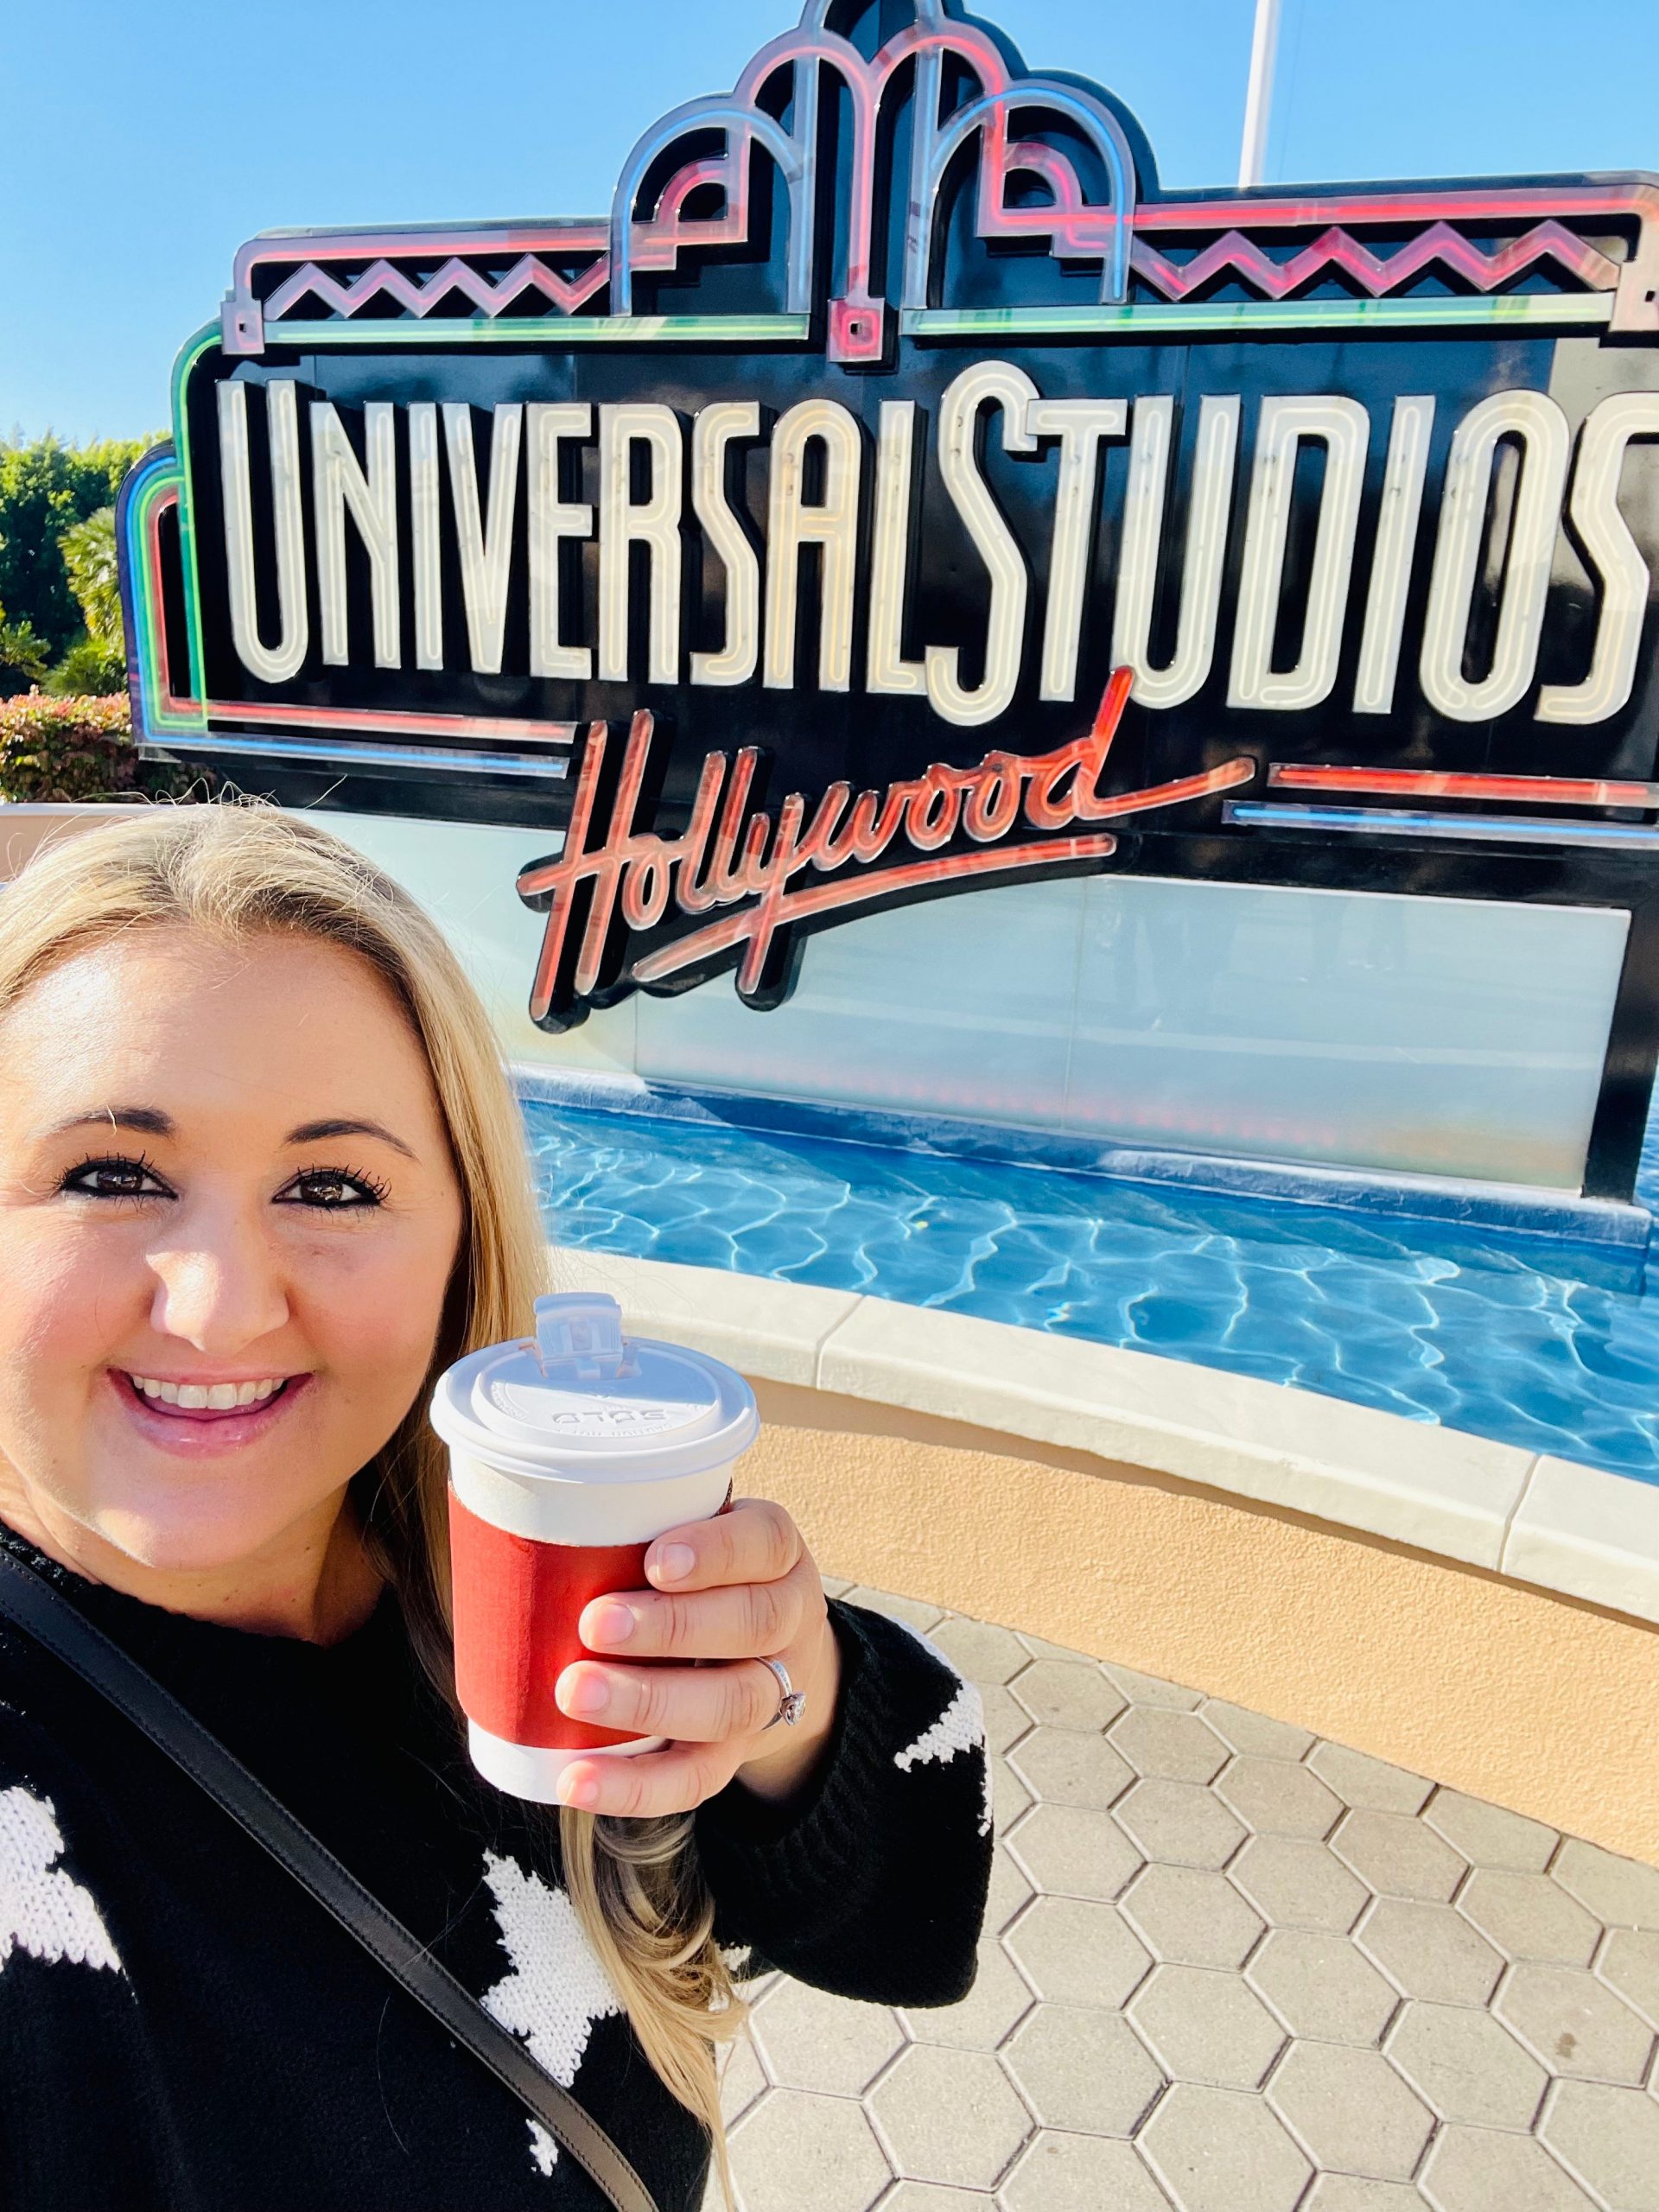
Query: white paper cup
(568,1454)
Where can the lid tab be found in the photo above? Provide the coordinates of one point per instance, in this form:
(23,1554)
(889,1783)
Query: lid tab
(579,1337)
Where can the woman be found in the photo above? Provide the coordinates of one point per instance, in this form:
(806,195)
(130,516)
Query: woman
(261,1180)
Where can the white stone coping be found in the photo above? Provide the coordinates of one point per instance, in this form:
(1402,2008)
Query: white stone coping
(1584,1532)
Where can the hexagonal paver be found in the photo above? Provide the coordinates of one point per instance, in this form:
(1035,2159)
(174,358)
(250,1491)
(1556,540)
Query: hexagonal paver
(1430,1951)
(1487,1835)
(1192,1918)
(1474,2169)
(809,2040)
(1070,1851)
(1399,1858)
(1065,1766)
(1078,2173)
(1368,1784)
(1152,1689)
(1217,2150)
(1609,2138)
(1082,2071)
(1630,1964)
(1349,2109)
(1272,1797)
(742,2079)
(998,1998)
(949,2116)
(1009,1796)
(984,1653)
(1179,1823)
(1466,2065)
(1618,1891)
(1350,2193)
(1059,1696)
(1575,2023)
(1299,1885)
(1253,1733)
(799,2153)
(1529,1917)
(915,1612)
(1011,1885)
(1173,1746)
(1323,1985)
(1203,2026)
(1075,1953)
(1006,1722)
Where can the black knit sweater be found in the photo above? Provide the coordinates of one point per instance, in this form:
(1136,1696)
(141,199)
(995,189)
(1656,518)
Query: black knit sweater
(184,2029)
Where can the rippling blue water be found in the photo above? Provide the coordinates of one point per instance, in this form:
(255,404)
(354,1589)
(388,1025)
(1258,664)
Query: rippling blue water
(1388,1315)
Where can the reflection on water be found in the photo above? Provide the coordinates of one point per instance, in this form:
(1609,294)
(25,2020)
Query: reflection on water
(1398,1317)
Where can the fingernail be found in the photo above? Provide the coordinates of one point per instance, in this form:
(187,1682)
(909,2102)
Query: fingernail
(580,1791)
(587,1694)
(613,1624)
(672,1564)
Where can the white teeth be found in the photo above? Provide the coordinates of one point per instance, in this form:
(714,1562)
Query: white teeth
(209,1397)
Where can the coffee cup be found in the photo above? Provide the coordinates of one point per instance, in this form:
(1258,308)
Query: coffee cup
(568,1454)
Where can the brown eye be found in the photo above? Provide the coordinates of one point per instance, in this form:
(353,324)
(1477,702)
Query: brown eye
(114,1177)
(333,1190)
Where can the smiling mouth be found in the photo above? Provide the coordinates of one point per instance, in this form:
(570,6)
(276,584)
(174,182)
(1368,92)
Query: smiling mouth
(199,1399)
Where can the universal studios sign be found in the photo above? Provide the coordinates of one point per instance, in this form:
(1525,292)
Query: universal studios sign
(897,492)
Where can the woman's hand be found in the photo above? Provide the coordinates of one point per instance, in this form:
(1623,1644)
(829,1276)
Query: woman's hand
(728,1593)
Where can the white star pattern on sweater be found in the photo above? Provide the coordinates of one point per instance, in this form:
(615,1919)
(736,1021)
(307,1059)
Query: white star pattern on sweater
(42,1910)
(556,1990)
(960,1727)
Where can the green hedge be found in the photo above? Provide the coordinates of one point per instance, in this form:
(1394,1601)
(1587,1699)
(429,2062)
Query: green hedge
(58,750)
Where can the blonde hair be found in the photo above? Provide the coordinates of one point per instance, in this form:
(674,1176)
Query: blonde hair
(238,870)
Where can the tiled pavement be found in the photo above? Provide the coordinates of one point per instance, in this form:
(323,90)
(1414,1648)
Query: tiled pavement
(1228,1967)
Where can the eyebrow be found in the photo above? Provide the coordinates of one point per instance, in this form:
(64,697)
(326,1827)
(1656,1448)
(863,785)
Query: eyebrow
(147,1120)
(319,1132)
(150,1121)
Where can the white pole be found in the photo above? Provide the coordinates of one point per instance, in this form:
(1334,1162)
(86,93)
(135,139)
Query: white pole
(1258,104)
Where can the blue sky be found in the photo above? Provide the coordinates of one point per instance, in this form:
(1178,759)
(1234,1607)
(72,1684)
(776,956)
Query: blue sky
(143,143)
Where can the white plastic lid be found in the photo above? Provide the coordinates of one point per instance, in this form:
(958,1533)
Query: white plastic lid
(582,1402)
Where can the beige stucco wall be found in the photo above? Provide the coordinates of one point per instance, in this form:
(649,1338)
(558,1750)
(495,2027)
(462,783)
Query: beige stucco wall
(1532,1700)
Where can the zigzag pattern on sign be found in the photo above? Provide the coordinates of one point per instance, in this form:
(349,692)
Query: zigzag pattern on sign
(491,296)
(1234,255)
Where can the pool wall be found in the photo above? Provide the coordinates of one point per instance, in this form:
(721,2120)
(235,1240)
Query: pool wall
(1471,1612)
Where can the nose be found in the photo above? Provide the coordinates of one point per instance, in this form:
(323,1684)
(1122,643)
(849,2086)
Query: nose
(218,1286)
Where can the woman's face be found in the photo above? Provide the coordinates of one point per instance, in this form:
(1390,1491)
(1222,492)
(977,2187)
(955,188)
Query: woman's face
(228,1216)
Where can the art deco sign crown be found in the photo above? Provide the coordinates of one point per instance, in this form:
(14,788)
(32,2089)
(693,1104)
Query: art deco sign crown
(897,491)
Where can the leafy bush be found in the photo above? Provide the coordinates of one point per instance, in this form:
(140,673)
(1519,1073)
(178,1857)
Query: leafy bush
(46,489)
(90,669)
(22,656)
(54,752)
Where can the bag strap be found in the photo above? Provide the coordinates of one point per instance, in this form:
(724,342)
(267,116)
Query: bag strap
(32,1604)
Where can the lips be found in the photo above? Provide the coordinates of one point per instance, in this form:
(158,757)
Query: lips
(186,1412)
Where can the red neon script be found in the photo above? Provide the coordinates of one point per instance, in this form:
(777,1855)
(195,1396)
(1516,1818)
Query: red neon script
(729,857)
